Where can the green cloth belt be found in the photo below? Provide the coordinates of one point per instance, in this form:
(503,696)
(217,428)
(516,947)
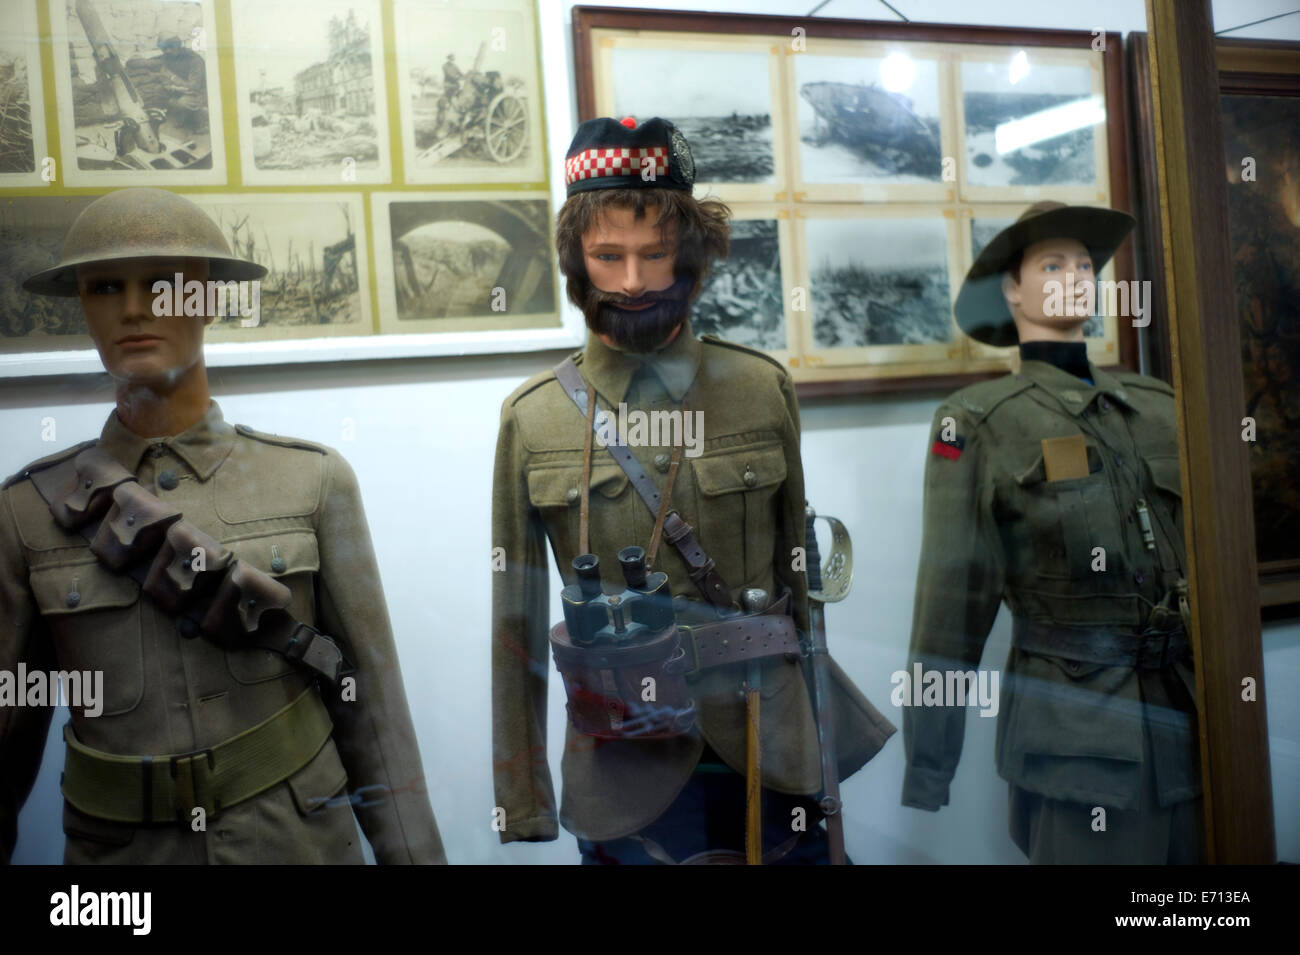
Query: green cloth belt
(169,788)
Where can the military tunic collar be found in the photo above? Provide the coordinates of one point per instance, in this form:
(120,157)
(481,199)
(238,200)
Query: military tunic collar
(203,446)
(613,371)
(1073,393)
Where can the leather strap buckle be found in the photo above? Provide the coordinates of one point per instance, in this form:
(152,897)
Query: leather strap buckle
(692,651)
(313,649)
(192,774)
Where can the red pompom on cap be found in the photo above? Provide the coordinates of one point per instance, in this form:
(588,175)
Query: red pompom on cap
(629,122)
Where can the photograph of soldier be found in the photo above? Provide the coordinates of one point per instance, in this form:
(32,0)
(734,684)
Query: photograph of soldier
(743,299)
(190,563)
(1056,490)
(657,772)
(139,85)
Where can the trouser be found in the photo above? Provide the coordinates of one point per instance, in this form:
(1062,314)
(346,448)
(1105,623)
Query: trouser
(706,824)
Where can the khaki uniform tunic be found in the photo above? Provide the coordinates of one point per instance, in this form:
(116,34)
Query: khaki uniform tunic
(289,508)
(744,496)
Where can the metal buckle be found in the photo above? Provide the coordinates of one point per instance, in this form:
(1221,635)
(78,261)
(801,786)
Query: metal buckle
(1146,648)
(192,774)
(687,639)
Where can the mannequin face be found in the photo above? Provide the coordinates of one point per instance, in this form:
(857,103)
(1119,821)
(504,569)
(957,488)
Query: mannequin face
(1056,291)
(135,345)
(629,264)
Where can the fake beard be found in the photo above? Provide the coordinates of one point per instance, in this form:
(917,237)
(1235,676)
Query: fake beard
(641,331)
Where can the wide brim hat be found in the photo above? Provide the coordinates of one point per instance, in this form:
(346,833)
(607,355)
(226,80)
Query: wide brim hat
(141,224)
(981,309)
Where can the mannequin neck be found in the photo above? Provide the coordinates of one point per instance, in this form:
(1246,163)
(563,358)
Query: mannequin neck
(1070,357)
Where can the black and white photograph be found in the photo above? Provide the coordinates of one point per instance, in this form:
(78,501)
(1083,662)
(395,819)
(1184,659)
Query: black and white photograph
(742,299)
(312,97)
(313,246)
(139,96)
(982,231)
(464,262)
(879,281)
(720,99)
(1031,124)
(469,92)
(22,112)
(868,118)
(32,229)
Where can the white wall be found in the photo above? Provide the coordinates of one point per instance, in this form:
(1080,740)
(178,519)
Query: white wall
(424,436)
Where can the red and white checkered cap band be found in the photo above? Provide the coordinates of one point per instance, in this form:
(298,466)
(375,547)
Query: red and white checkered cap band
(614,161)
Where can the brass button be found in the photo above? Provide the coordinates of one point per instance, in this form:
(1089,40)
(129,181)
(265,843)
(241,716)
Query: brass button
(168,480)
(750,478)
(572,495)
(661,463)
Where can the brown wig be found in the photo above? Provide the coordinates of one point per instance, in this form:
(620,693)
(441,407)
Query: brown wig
(700,228)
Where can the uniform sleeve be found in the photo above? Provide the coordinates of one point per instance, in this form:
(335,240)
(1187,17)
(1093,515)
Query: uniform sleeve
(792,520)
(23,640)
(958,590)
(373,732)
(520,650)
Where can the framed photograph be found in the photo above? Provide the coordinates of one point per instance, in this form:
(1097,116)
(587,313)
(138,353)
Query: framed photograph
(1259,85)
(891,151)
(24,157)
(32,229)
(465,262)
(313,111)
(469,89)
(138,93)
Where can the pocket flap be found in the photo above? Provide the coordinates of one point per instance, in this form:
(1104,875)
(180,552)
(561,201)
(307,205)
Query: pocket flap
(561,486)
(291,552)
(319,781)
(740,470)
(73,588)
(1166,474)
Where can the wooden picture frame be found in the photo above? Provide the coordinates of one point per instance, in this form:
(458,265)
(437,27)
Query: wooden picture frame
(1247,68)
(816,175)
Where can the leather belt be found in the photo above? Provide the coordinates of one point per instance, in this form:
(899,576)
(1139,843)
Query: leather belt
(1148,649)
(703,570)
(168,788)
(757,636)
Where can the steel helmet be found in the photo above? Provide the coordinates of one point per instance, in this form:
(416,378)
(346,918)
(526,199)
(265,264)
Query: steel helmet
(141,224)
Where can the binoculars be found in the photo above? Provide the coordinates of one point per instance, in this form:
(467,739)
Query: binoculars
(634,616)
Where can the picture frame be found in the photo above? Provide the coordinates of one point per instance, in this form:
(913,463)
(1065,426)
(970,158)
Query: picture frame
(1259,86)
(24,154)
(825,166)
(337,100)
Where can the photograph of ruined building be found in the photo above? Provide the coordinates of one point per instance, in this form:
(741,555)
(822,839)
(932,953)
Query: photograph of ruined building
(315,283)
(879,281)
(469,94)
(137,75)
(488,260)
(311,110)
(721,101)
(742,299)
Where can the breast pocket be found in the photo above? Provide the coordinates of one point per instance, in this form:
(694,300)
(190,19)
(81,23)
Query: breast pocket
(738,519)
(94,619)
(1069,519)
(292,558)
(556,491)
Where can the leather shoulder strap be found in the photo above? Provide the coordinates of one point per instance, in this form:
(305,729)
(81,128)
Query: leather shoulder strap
(677,532)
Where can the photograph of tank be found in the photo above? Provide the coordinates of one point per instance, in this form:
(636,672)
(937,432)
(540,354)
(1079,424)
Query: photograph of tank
(868,118)
(982,231)
(20,65)
(879,281)
(486,262)
(1030,124)
(32,229)
(313,247)
(742,299)
(140,77)
(721,101)
(311,92)
(469,93)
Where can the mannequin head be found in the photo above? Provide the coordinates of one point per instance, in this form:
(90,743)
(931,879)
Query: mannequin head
(1051,290)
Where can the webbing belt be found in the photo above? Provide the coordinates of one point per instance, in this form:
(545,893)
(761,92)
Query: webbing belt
(1146,650)
(676,531)
(168,788)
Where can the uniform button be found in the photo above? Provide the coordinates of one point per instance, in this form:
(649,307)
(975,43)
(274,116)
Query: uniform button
(168,480)
(750,478)
(1103,403)
(661,463)
(1072,666)
(74,598)
(278,565)
(1137,577)
(187,627)
(572,495)
(1119,459)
